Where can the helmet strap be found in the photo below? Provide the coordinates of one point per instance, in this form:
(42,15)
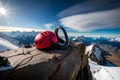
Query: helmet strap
(64,43)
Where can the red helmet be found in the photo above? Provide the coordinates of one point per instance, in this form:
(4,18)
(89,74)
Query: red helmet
(45,39)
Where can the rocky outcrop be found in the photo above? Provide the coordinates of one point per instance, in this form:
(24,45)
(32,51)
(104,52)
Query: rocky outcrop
(84,72)
(54,64)
(94,53)
(102,55)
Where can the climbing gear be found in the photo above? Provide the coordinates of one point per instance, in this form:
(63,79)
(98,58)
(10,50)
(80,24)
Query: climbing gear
(47,39)
(65,34)
(63,43)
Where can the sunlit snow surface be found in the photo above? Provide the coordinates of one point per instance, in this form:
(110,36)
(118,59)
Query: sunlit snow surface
(104,72)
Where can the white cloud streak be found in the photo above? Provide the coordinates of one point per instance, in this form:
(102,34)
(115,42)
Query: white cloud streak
(49,25)
(92,21)
(90,6)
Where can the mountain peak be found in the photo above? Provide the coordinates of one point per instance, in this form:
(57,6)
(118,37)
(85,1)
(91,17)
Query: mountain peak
(94,52)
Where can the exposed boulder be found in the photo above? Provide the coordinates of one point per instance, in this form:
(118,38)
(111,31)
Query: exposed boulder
(54,64)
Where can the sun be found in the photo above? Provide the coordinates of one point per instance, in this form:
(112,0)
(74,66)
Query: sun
(3,11)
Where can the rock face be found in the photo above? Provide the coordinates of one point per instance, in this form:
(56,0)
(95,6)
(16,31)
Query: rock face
(84,72)
(54,64)
(94,53)
(102,56)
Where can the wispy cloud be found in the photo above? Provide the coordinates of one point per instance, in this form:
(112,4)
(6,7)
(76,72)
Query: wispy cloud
(48,25)
(90,6)
(10,28)
(92,15)
(92,21)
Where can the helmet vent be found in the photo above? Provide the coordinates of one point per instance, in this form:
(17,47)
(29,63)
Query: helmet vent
(45,33)
(42,34)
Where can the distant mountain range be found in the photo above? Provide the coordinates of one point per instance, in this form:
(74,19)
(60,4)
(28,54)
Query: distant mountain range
(111,41)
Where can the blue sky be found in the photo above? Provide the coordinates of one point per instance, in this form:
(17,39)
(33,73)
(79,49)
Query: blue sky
(91,17)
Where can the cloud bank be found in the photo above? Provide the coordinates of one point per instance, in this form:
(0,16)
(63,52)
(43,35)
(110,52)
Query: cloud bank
(9,29)
(92,15)
(93,21)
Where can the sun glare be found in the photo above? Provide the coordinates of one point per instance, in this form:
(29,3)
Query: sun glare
(3,11)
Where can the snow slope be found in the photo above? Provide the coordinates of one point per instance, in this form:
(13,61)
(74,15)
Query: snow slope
(104,72)
(7,43)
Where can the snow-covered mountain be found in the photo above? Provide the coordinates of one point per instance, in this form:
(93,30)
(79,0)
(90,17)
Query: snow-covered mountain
(97,54)
(79,39)
(7,43)
(94,53)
